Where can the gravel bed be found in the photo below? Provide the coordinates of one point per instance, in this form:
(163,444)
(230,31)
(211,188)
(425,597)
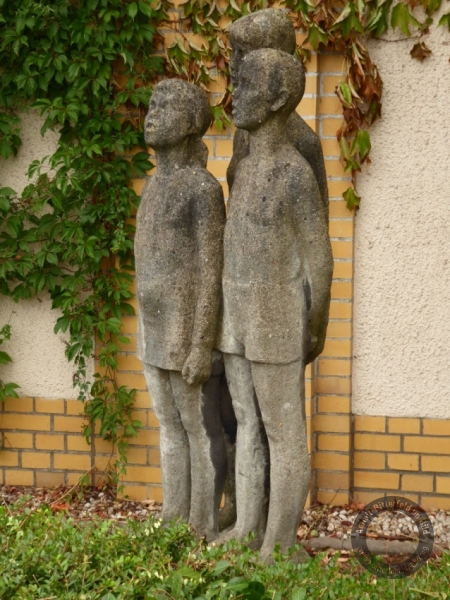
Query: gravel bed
(317,522)
(337,521)
(78,503)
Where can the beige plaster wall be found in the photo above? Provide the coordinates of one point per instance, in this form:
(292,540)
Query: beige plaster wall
(402,255)
(39,366)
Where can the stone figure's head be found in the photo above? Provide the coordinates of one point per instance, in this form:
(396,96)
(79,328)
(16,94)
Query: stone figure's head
(268,28)
(177,110)
(271,82)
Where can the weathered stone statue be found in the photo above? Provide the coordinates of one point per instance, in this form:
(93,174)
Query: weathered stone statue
(272,28)
(276,293)
(269,28)
(178,249)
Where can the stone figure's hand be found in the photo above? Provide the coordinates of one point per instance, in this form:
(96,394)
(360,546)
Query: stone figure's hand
(197,367)
(312,352)
(316,344)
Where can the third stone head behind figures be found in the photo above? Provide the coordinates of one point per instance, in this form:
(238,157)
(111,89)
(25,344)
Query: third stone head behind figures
(272,28)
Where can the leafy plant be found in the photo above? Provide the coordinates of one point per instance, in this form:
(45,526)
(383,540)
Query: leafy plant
(7,390)
(87,67)
(51,556)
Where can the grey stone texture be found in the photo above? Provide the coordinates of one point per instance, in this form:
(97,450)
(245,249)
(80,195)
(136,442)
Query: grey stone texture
(272,28)
(178,251)
(276,294)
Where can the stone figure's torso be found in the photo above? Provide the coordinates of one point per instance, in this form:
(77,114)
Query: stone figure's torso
(260,235)
(302,137)
(167,258)
(164,229)
(264,309)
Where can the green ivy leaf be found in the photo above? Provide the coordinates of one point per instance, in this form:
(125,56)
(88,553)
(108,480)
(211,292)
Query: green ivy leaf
(345,93)
(348,21)
(431,6)
(7,191)
(145,9)
(401,17)
(361,143)
(4,358)
(4,204)
(316,36)
(351,198)
(132,9)
(445,20)
(8,390)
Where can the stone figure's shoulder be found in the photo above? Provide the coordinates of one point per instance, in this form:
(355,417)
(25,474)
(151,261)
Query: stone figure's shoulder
(149,187)
(205,184)
(301,134)
(241,141)
(294,161)
(204,191)
(295,168)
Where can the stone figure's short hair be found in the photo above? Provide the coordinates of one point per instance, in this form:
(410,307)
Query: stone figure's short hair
(194,98)
(268,28)
(282,70)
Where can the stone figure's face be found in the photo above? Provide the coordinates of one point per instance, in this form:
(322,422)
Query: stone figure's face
(251,104)
(238,51)
(168,121)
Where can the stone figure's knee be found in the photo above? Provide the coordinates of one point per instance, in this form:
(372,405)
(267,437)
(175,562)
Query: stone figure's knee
(168,416)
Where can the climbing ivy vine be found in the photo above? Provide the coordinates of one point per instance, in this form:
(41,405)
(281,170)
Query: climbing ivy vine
(88,66)
(328,25)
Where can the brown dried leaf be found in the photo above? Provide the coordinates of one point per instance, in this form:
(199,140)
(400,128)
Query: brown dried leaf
(58,507)
(420,51)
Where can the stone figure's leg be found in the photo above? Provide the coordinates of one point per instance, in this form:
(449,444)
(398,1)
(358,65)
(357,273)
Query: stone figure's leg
(199,411)
(280,390)
(174,446)
(227,514)
(251,453)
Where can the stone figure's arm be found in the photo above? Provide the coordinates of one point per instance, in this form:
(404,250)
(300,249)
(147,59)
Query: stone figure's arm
(316,249)
(241,148)
(311,149)
(209,217)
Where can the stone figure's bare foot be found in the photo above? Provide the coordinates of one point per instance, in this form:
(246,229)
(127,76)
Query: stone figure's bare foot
(241,535)
(209,535)
(168,519)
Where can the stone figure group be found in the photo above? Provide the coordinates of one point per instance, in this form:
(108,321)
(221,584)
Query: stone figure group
(249,291)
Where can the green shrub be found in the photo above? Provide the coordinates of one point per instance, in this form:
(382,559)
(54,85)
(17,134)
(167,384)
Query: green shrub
(48,556)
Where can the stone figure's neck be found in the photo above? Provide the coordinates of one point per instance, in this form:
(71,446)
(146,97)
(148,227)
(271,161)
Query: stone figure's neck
(170,158)
(268,138)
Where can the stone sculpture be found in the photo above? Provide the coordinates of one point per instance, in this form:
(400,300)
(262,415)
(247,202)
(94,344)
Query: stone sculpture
(272,28)
(276,293)
(178,250)
(269,28)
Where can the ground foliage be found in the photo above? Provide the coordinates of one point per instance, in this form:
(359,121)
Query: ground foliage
(89,67)
(51,556)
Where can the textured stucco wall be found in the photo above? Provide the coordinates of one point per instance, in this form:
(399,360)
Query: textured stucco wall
(402,253)
(39,366)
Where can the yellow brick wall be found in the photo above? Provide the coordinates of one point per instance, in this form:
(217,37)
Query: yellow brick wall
(42,444)
(332,401)
(407,456)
